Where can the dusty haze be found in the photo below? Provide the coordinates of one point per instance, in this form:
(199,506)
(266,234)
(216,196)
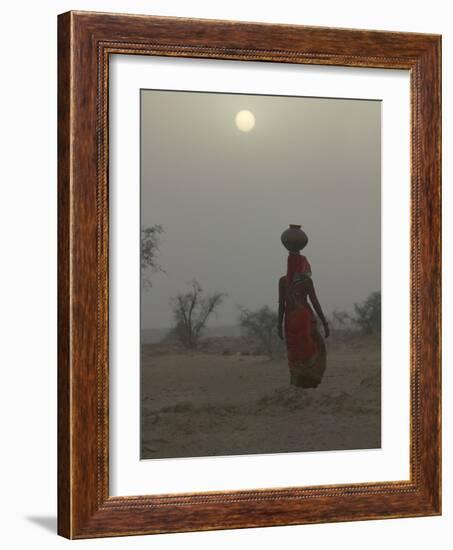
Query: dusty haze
(224,196)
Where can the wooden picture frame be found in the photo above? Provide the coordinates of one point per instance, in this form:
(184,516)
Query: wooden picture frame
(85,42)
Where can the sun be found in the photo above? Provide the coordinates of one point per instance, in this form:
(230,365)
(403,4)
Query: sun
(245,121)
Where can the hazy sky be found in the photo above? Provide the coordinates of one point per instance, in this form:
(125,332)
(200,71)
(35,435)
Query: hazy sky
(224,196)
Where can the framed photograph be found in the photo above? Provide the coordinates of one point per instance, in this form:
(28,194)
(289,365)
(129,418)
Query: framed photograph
(249,275)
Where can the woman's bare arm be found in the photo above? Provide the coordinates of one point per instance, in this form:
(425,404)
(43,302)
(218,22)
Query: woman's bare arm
(317,306)
(281,306)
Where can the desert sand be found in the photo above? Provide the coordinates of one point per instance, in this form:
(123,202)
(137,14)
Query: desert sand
(217,403)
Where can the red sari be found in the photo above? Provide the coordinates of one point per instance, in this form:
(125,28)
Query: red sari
(304,344)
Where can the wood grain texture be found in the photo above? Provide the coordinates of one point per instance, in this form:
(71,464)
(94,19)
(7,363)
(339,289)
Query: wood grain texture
(64,389)
(86,40)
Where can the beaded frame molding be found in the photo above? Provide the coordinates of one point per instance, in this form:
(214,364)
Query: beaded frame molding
(85,42)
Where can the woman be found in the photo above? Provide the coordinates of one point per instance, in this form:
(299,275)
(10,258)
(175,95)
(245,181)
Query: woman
(296,320)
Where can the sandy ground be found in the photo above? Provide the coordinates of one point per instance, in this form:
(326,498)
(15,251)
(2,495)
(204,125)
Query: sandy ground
(204,404)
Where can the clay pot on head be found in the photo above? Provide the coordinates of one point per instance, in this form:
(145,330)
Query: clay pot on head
(294,239)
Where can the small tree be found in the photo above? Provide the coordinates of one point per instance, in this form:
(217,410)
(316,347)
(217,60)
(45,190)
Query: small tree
(261,324)
(340,318)
(149,245)
(191,311)
(341,321)
(368,314)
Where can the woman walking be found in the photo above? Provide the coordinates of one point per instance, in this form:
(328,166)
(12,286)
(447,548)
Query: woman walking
(297,324)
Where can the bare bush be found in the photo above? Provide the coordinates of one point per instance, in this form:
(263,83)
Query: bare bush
(367,315)
(149,247)
(261,324)
(191,312)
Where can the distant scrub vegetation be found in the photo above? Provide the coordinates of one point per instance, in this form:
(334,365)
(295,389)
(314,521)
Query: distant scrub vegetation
(261,324)
(366,316)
